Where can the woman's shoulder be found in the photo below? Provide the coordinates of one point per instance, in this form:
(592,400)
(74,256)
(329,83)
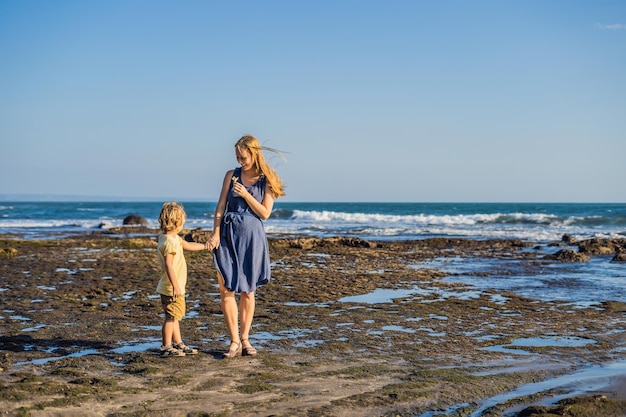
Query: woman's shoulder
(230,173)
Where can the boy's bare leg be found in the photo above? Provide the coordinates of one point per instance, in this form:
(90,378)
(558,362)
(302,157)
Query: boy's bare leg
(167,331)
(176,336)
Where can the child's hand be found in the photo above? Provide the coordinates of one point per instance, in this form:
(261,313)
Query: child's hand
(177,292)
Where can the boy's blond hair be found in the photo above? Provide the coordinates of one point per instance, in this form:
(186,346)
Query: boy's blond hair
(172,216)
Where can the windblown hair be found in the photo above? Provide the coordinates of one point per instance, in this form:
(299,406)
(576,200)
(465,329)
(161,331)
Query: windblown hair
(172,216)
(251,144)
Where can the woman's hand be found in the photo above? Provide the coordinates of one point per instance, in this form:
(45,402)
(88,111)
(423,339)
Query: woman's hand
(240,189)
(213,242)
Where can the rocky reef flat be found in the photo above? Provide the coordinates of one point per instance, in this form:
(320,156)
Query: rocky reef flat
(346,327)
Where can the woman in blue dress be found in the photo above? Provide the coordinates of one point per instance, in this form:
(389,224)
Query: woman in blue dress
(241,255)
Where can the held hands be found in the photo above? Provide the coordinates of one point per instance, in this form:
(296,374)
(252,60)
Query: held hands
(212,243)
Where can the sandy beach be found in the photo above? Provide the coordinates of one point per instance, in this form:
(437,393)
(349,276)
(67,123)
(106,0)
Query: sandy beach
(346,327)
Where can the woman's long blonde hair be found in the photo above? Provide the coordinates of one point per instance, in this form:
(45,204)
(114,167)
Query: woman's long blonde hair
(251,144)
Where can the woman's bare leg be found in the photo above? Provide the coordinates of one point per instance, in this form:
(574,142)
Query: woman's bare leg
(230,311)
(246,312)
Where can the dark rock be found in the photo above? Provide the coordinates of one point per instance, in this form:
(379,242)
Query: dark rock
(313,242)
(135,220)
(304,243)
(532,411)
(128,230)
(353,242)
(615,306)
(568,239)
(568,255)
(598,246)
(197,235)
(619,257)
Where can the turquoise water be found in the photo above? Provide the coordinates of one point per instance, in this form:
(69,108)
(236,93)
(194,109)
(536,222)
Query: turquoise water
(538,222)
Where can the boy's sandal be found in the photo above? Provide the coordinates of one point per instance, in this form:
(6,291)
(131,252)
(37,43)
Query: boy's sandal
(185,349)
(170,351)
(232,353)
(248,351)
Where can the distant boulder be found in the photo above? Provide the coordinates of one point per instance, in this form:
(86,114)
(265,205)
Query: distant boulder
(620,256)
(569,239)
(598,246)
(197,235)
(134,220)
(104,225)
(568,255)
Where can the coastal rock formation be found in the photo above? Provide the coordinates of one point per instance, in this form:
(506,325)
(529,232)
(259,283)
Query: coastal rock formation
(134,220)
(569,239)
(197,235)
(99,359)
(313,242)
(599,246)
(8,252)
(568,255)
(619,257)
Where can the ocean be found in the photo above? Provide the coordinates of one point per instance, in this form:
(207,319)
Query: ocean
(582,284)
(537,222)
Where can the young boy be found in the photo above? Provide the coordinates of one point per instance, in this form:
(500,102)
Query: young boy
(174,277)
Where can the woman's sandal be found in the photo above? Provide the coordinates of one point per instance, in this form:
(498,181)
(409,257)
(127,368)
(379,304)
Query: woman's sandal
(248,351)
(233,353)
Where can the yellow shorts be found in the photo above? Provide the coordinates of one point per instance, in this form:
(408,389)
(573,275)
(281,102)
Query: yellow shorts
(174,308)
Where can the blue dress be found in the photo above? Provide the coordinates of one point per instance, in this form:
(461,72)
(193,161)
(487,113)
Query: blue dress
(242,259)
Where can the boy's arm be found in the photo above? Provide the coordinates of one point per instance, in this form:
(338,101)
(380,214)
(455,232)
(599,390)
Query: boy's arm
(171,274)
(194,246)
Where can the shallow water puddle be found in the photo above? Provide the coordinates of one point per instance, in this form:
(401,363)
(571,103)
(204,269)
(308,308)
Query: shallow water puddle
(47,288)
(296,304)
(396,328)
(582,284)
(543,341)
(43,361)
(557,341)
(34,328)
(593,378)
(138,346)
(384,295)
(73,271)
(263,338)
(517,364)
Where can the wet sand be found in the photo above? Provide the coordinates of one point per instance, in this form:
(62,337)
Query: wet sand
(81,329)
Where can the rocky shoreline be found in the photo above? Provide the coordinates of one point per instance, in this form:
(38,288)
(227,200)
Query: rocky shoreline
(80,324)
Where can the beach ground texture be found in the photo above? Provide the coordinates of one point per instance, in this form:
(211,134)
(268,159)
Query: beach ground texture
(81,330)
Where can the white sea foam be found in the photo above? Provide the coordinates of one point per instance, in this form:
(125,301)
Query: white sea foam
(426,219)
(330,216)
(536,222)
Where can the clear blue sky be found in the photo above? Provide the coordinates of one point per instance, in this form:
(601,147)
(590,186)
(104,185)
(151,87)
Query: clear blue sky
(401,100)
